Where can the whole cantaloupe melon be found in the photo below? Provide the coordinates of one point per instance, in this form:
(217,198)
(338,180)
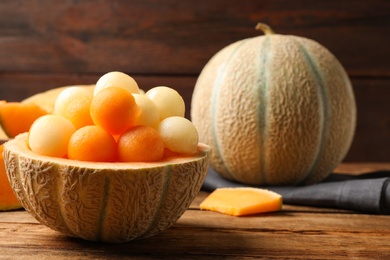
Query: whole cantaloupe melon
(275,109)
(111,202)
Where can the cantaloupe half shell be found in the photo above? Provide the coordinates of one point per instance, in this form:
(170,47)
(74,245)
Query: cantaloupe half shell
(111,202)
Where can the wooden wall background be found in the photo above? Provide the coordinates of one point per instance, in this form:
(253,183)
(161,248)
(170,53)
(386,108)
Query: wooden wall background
(46,44)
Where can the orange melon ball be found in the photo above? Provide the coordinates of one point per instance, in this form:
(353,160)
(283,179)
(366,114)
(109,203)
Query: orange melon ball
(114,109)
(92,143)
(140,144)
(170,154)
(179,134)
(73,103)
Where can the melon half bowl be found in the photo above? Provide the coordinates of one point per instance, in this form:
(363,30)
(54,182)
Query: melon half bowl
(110,202)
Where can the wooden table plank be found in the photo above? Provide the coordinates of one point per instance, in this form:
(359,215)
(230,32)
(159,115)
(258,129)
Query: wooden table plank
(158,36)
(186,239)
(294,232)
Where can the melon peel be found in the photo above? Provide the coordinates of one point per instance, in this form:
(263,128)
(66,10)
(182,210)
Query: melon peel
(8,200)
(111,202)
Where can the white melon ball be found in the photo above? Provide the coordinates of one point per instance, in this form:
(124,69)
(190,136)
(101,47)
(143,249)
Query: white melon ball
(49,135)
(73,103)
(168,101)
(68,96)
(116,79)
(148,114)
(179,134)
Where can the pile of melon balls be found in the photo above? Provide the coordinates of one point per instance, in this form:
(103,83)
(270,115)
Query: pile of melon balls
(115,122)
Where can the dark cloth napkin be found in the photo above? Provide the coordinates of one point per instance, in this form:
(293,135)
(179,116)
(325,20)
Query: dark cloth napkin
(369,193)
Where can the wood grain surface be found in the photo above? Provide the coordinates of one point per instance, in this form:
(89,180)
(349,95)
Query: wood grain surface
(293,233)
(46,44)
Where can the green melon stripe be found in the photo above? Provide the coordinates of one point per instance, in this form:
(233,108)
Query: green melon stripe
(214,106)
(103,208)
(318,77)
(59,172)
(167,172)
(262,105)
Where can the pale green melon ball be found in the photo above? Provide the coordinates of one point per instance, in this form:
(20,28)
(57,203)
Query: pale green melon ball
(116,79)
(49,135)
(149,114)
(168,101)
(179,134)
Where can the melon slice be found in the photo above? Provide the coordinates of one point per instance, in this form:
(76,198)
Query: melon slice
(16,117)
(242,201)
(8,200)
(47,99)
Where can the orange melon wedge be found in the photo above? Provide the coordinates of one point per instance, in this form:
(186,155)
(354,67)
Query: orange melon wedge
(242,201)
(17,117)
(8,200)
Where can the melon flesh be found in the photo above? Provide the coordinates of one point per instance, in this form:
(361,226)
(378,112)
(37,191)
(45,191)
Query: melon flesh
(3,135)
(242,201)
(16,117)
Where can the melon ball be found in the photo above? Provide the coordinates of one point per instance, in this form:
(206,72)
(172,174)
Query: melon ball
(179,134)
(140,144)
(73,103)
(168,101)
(114,109)
(49,135)
(116,79)
(148,111)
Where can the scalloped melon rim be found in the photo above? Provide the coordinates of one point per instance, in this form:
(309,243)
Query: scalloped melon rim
(14,145)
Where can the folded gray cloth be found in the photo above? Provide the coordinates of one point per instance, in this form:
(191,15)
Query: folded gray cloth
(369,193)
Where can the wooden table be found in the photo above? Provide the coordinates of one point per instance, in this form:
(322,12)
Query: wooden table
(294,232)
